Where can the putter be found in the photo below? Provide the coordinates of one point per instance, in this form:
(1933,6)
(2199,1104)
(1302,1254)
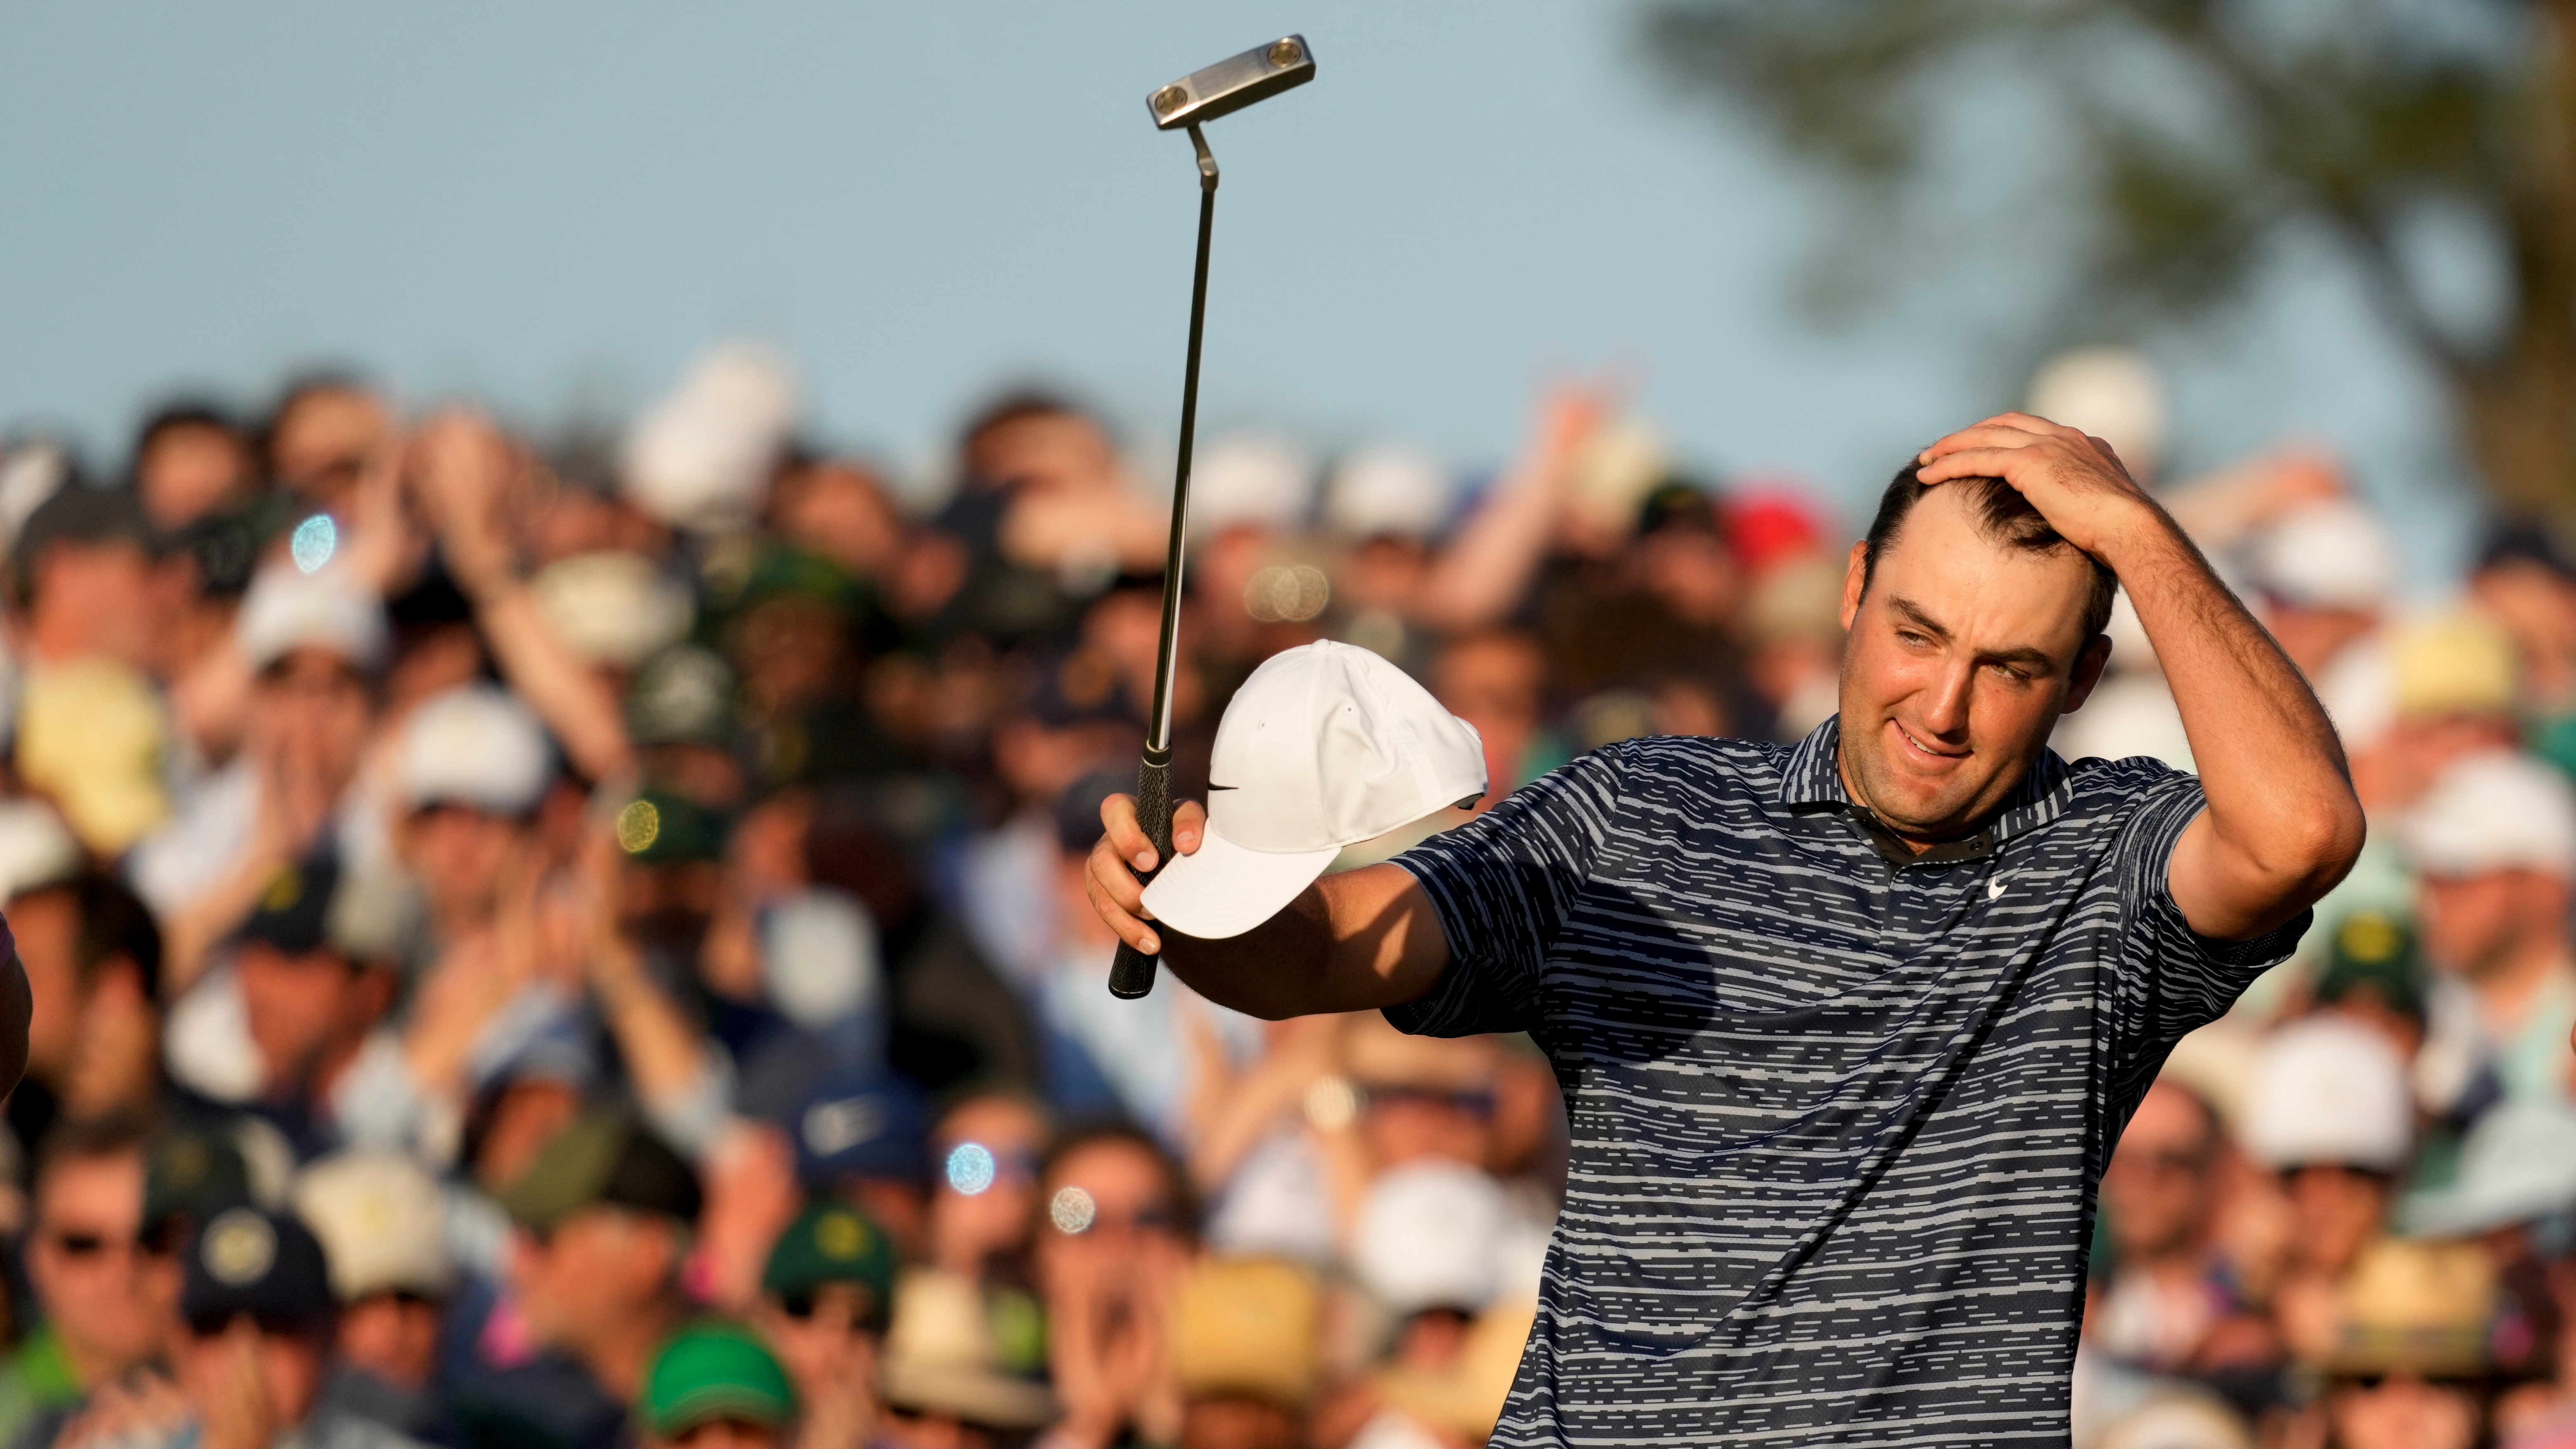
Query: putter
(1199,97)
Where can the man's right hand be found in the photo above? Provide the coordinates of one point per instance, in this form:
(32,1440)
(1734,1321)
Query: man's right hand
(1116,892)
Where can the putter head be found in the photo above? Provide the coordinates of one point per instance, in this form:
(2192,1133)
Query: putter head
(1232,84)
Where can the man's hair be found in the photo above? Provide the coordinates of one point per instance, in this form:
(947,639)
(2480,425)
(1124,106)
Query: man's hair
(2000,513)
(95,1139)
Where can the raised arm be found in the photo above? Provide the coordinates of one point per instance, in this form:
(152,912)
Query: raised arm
(1357,941)
(2283,824)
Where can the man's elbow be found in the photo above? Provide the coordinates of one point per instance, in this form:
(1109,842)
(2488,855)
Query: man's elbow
(2309,852)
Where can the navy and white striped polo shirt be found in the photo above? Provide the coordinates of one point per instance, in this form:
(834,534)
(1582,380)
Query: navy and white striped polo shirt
(1838,1112)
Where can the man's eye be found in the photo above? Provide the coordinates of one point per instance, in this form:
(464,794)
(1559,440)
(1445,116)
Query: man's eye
(1912,639)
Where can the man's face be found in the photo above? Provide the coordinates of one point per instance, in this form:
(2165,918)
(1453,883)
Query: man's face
(393,1336)
(990,1145)
(1109,1199)
(2478,924)
(191,471)
(597,1270)
(2334,1213)
(824,1336)
(2156,1194)
(458,853)
(2403,1412)
(107,1297)
(313,706)
(298,1008)
(1962,654)
(281,1365)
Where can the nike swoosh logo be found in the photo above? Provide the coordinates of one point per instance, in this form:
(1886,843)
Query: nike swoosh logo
(1224,787)
(1995,888)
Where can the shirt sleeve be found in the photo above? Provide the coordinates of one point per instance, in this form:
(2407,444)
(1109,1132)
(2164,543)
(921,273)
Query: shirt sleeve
(2173,980)
(1502,885)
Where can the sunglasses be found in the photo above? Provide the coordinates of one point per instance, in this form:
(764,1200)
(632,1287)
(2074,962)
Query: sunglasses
(803,1304)
(1479,1105)
(92,1245)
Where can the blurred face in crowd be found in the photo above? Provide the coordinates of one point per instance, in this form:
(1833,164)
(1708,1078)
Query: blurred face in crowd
(189,470)
(905,1429)
(1691,570)
(219,1364)
(789,651)
(985,1199)
(1109,1201)
(458,854)
(826,1336)
(1496,682)
(2334,1213)
(93,599)
(307,1012)
(392,1335)
(594,1274)
(1963,652)
(107,1298)
(842,511)
(2480,924)
(2156,1193)
(517,1126)
(2402,1412)
(313,706)
(2313,635)
(323,436)
(1049,452)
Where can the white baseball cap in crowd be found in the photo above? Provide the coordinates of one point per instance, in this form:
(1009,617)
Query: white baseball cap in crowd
(382,1220)
(1324,746)
(474,745)
(287,609)
(2330,554)
(2496,810)
(2328,1092)
(2518,1164)
(1431,1235)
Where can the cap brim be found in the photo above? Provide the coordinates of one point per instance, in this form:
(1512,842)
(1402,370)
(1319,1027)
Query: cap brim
(1224,889)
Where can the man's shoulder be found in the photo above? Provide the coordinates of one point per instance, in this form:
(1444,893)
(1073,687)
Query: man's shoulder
(2098,787)
(1694,760)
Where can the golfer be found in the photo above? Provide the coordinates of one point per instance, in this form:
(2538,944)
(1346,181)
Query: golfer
(1847,1029)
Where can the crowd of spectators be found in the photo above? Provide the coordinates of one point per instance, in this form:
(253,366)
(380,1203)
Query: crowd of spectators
(560,940)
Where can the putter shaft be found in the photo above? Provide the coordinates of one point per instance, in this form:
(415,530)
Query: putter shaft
(1132,974)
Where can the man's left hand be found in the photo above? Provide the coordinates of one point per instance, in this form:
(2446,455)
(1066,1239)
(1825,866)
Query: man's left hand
(2075,481)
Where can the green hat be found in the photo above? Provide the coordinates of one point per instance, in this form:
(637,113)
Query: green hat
(660,827)
(604,1157)
(192,1174)
(713,1370)
(830,1243)
(2375,951)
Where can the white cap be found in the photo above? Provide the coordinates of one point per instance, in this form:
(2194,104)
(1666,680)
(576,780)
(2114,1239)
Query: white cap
(475,746)
(1324,746)
(288,609)
(2496,810)
(1260,479)
(381,1220)
(611,606)
(2519,1163)
(36,848)
(2331,554)
(700,458)
(2112,393)
(2328,1091)
(1431,1235)
(1389,488)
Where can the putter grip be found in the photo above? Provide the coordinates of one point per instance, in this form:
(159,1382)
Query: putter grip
(1132,975)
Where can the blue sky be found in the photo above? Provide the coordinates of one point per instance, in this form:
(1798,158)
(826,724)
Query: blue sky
(554,207)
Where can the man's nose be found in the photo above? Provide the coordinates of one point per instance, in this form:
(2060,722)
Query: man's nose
(1945,704)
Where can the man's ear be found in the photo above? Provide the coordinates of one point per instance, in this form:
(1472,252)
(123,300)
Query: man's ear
(1855,574)
(2088,673)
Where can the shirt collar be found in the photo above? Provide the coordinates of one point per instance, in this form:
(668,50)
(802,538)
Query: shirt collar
(1813,777)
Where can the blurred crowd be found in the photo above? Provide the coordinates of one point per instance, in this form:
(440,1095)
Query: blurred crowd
(564,939)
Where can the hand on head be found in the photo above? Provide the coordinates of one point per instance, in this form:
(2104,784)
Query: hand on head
(2074,479)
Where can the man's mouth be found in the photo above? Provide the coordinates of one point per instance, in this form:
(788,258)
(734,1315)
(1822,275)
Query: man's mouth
(1917,747)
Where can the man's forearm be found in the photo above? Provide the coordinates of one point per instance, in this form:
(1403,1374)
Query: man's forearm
(1351,942)
(2281,806)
